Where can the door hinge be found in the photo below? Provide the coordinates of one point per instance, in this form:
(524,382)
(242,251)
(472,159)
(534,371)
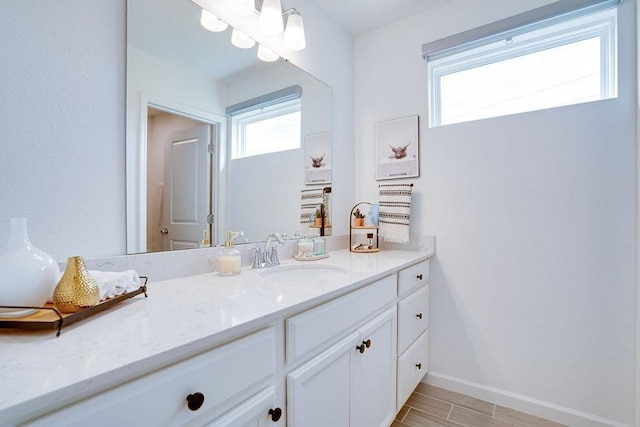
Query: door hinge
(210,148)
(209,219)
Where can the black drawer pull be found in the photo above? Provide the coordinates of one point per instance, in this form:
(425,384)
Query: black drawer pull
(419,276)
(275,414)
(195,401)
(419,315)
(367,343)
(419,365)
(361,348)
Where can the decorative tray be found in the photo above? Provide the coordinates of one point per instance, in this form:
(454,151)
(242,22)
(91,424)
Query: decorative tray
(48,317)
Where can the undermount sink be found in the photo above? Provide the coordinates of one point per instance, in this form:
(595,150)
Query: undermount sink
(304,272)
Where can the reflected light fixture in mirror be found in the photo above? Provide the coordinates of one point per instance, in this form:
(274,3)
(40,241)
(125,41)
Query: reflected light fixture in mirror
(212,23)
(241,7)
(241,40)
(270,21)
(267,55)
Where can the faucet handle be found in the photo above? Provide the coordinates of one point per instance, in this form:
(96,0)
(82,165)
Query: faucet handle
(257,257)
(274,256)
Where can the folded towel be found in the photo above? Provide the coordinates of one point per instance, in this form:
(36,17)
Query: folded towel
(395,207)
(113,283)
(310,201)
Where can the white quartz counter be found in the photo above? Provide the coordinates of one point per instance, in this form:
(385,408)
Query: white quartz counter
(180,318)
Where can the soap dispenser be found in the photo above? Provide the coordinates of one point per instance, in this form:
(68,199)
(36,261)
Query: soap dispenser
(229,261)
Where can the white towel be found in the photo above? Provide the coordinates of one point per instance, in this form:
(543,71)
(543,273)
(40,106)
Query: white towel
(395,209)
(310,200)
(113,283)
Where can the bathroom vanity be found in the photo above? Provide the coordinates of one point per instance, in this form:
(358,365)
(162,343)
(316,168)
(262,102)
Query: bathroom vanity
(341,341)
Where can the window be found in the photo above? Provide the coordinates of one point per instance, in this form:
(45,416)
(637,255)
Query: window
(550,63)
(266,124)
(267,130)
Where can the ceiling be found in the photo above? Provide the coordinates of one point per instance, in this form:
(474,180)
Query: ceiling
(361,16)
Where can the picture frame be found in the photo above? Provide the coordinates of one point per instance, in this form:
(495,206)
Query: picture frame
(317,158)
(397,145)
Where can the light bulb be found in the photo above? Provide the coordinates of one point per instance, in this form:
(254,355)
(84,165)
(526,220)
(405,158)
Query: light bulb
(267,55)
(241,7)
(294,34)
(241,40)
(211,22)
(270,21)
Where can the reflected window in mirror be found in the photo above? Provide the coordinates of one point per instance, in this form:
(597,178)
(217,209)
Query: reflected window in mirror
(267,130)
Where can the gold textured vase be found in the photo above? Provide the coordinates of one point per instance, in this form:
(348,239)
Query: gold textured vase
(76,289)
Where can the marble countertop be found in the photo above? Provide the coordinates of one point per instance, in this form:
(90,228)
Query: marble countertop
(181,317)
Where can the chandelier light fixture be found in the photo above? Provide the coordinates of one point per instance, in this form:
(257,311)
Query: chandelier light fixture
(271,22)
(294,33)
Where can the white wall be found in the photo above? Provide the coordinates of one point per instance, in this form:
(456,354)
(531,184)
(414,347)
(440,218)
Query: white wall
(63,120)
(62,78)
(533,289)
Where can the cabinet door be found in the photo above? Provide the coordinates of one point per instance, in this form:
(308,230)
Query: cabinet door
(318,392)
(258,411)
(375,372)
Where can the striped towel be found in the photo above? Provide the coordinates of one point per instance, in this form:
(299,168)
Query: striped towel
(310,201)
(395,207)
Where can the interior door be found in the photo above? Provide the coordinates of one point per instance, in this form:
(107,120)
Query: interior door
(187,187)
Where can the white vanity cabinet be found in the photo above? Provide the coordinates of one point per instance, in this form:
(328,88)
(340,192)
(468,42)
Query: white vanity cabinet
(350,384)
(259,411)
(191,392)
(413,328)
(351,359)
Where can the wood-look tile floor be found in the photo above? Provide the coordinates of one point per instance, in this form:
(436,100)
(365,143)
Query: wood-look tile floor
(431,406)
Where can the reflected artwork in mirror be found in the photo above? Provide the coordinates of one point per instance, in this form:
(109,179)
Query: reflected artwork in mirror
(185,185)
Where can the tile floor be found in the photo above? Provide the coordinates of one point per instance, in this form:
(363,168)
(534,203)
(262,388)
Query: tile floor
(431,406)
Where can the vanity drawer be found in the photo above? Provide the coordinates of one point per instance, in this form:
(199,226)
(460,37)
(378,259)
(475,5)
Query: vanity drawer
(234,370)
(413,317)
(315,328)
(412,367)
(413,277)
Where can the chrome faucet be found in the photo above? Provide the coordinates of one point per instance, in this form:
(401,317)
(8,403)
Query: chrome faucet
(268,256)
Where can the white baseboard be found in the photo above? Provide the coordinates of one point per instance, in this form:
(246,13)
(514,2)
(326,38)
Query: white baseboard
(519,402)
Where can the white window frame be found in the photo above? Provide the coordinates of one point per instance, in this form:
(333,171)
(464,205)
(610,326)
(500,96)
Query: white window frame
(601,24)
(239,122)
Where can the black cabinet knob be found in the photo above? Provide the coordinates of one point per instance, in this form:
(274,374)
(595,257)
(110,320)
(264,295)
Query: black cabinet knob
(419,315)
(195,401)
(275,414)
(419,365)
(367,343)
(361,348)
(419,276)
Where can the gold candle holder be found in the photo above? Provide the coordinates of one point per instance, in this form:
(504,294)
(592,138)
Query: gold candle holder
(76,289)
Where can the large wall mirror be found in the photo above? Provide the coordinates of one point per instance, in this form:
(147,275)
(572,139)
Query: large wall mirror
(186,172)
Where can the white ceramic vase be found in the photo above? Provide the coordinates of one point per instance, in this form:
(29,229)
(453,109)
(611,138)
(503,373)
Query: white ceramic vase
(28,275)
